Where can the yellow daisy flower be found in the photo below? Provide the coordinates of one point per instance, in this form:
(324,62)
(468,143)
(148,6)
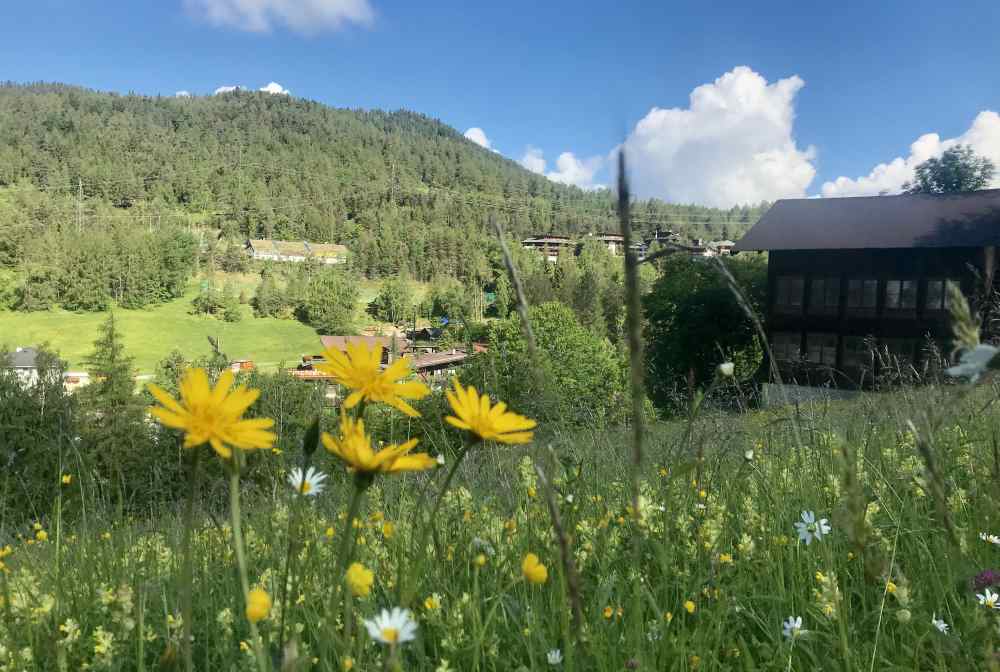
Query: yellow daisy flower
(360,369)
(213,415)
(476,415)
(355,448)
(534,571)
(258,605)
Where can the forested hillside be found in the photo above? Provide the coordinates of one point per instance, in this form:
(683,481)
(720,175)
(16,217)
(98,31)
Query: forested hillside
(402,190)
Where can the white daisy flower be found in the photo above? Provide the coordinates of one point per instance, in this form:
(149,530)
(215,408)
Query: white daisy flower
(989,599)
(809,528)
(392,627)
(726,369)
(792,628)
(990,538)
(309,484)
(939,624)
(554,657)
(973,363)
(440,459)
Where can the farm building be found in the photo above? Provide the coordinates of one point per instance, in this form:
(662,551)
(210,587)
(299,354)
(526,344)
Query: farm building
(296,252)
(550,246)
(844,273)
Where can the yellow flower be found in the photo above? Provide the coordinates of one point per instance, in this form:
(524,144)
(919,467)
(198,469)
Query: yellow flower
(702,494)
(532,492)
(433,602)
(664,472)
(608,612)
(890,587)
(668,616)
(213,415)
(534,571)
(67,479)
(360,580)
(347,664)
(388,529)
(480,560)
(42,535)
(258,605)
(106,536)
(360,369)
(726,559)
(690,606)
(329,533)
(487,422)
(355,448)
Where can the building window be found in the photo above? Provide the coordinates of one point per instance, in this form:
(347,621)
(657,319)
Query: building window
(822,349)
(857,353)
(785,346)
(824,296)
(900,295)
(862,295)
(937,294)
(788,294)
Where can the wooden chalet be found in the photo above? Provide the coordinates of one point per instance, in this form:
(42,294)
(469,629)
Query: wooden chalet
(550,246)
(844,273)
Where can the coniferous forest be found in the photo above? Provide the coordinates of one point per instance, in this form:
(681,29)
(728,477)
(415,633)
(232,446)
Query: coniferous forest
(138,184)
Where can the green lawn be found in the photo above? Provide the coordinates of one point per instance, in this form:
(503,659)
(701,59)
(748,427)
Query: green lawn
(153,332)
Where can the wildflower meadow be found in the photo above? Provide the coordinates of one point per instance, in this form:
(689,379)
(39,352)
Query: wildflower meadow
(850,535)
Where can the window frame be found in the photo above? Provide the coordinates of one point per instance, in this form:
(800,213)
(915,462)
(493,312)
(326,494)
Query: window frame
(824,282)
(899,308)
(827,348)
(863,309)
(788,305)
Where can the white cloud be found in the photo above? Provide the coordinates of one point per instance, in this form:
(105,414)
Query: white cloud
(732,145)
(275,89)
(533,160)
(478,136)
(571,170)
(225,89)
(182,94)
(304,16)
(983,136)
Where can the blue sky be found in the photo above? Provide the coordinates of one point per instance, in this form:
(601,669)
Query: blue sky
(577,78)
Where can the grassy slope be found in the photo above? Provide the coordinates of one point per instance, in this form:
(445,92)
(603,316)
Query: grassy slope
(150,334)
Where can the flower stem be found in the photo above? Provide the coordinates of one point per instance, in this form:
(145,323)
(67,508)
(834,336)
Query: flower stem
(187,562)
(241,562)
(427,526)
(290,551)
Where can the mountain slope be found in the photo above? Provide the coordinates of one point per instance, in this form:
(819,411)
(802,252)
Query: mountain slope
(402,190)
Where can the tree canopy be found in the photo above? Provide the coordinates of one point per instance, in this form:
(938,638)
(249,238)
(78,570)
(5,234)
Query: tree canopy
(958,169)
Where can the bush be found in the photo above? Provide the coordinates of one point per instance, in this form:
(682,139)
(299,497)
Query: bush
(578,378)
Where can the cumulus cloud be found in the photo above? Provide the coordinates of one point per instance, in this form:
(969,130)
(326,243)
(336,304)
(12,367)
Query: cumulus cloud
(304,16)
(733,144)
(225,89)
(275,89)
(182,94)
(983,136)
(533,160)
(578,172)
(478,136)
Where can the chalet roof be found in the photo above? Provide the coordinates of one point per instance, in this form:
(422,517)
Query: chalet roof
(432,359)
(340,342)
(22,358)
(555,240)
(875,222)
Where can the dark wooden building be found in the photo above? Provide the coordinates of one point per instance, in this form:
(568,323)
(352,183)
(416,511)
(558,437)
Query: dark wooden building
(845,273)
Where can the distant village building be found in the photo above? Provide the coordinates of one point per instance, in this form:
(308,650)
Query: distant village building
(702,248)
(24,363)
(550,246)
(296,252)
(615,243)
(844,273)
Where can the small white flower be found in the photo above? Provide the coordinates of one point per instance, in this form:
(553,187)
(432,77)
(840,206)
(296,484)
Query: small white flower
(483,546)
(989,599)
(748,454)
(569,499)
(392,627)
(554,657)
(792,628)
(726,369)
(990,538)
(310,484)
(939,624)
(440,459)
(973,362)
(810,529)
